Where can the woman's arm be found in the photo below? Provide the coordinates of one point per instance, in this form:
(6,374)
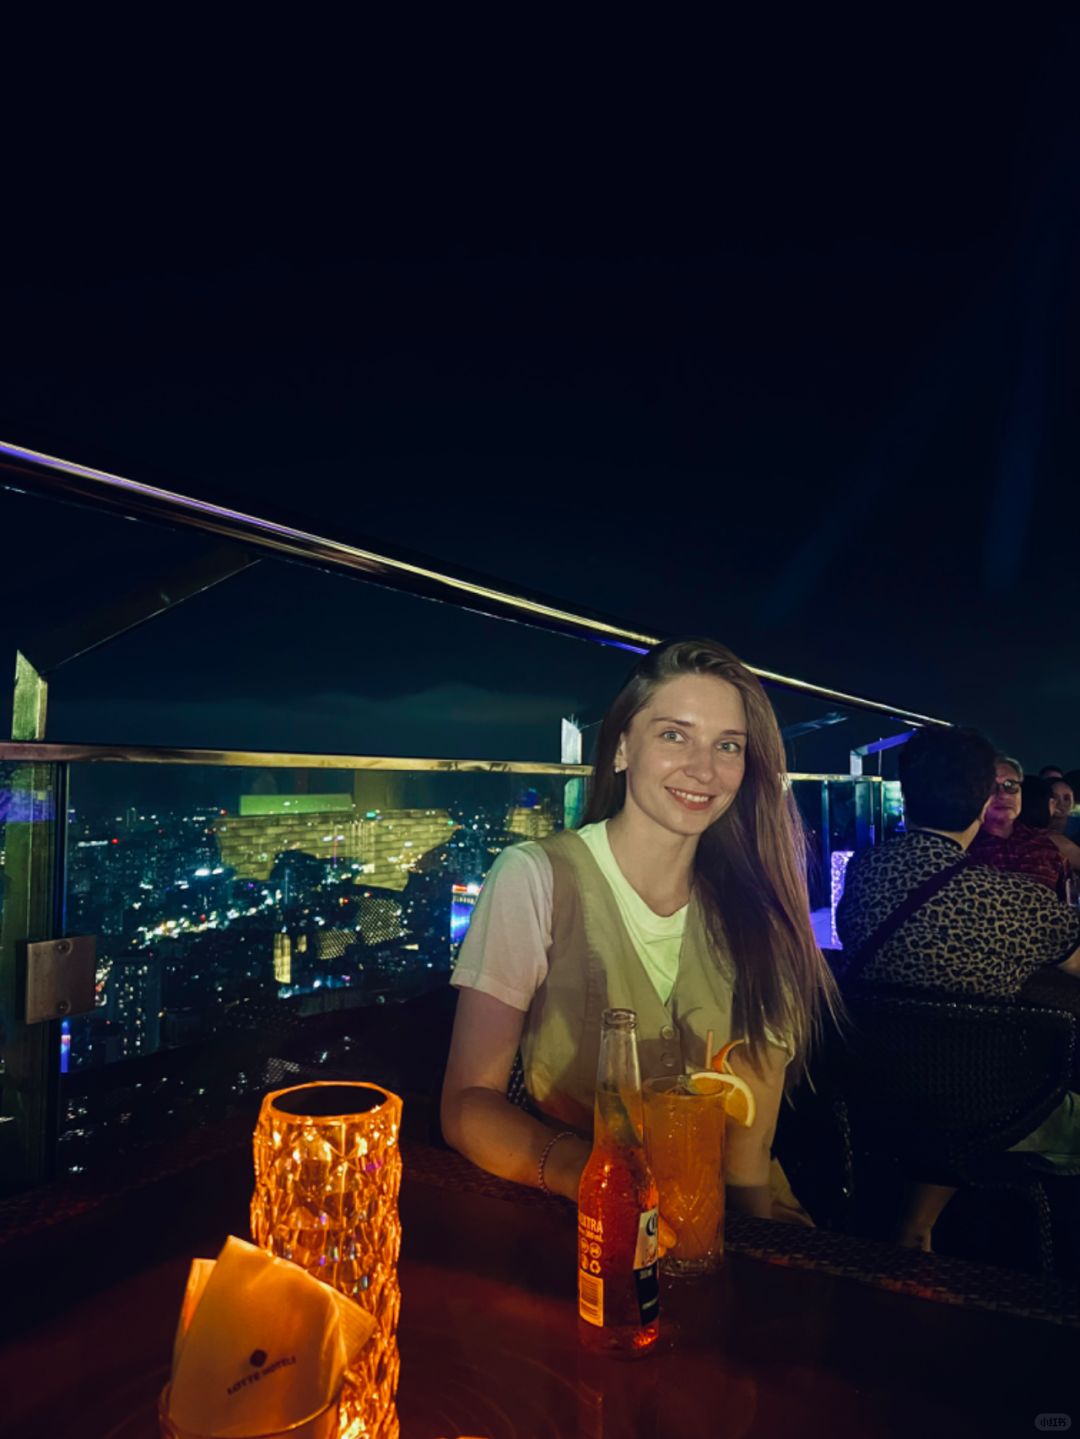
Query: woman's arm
(1069,850)
(477,1118)
(747,1151)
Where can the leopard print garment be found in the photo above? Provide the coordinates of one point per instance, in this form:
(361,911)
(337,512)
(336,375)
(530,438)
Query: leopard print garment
(983,934)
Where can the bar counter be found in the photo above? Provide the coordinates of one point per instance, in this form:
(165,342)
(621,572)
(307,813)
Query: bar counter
(489,1344)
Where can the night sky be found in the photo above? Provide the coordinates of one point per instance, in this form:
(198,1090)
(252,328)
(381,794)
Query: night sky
(782,348)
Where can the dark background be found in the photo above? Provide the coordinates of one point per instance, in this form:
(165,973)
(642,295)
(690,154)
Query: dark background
(770,335)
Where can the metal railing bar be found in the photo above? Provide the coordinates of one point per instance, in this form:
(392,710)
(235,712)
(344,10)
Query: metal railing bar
(841,778)
(271,759)
(36,471)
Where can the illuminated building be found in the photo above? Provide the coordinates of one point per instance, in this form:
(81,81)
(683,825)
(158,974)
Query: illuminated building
(290,804)
(394,841)
(283,959)
(531,821)
(385,844)
(378,920)
(463,899)
(134,1002)
(333,943)
(250,843)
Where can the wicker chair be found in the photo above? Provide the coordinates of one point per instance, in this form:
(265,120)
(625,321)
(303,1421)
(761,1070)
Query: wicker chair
(938,1090)
(813,1135)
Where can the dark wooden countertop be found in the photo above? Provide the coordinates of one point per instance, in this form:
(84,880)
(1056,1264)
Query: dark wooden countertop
(489,1347)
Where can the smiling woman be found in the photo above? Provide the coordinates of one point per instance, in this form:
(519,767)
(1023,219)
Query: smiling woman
(682,897)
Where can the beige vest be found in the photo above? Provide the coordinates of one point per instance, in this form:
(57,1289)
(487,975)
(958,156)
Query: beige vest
(593,966)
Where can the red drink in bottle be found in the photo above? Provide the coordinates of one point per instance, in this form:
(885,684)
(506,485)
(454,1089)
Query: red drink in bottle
(618,1207)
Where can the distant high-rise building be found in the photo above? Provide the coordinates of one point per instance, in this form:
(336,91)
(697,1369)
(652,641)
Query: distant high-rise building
(134,1002)
(283,959)
(333,943)
(290,804)
(531,821)
(463,899)
(394,841)
(386,844)
(297,877)
(251,842)
(378,919)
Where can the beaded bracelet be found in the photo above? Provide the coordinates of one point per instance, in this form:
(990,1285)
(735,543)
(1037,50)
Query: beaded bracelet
(548,1147)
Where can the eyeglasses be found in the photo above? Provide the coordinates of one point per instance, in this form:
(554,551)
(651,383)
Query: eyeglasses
(1006,786)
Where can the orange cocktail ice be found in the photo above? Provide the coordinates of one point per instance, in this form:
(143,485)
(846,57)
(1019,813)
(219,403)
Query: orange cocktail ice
(684,1139)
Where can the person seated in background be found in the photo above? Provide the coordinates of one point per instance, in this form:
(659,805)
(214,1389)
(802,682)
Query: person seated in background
(1051,771)
(1004,841)
(1072,825)
(917,913)
(1036,809)
(978,931)
(1062,800)
(1047,987)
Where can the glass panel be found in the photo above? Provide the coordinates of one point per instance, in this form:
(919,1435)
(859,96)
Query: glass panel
(94,562)
(841,815)
(279,656)
(241,914)
(28,826)
(250,923)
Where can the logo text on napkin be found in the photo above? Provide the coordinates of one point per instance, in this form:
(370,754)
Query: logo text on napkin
(264,1373)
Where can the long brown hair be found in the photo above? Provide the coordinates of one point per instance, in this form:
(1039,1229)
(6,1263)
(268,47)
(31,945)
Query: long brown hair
(749,868)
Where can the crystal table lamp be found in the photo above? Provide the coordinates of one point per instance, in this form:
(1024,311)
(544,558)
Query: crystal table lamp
(327,1174)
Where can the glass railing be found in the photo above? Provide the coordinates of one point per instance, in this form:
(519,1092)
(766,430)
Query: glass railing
(260,915)
(244,912)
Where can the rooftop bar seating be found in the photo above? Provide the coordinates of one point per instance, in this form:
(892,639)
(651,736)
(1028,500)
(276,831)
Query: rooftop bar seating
(264,917)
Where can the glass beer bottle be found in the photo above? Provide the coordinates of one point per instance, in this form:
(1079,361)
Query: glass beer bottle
(618,1207)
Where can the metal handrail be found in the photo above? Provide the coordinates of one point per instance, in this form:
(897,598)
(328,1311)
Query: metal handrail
(273,759)
(35,471)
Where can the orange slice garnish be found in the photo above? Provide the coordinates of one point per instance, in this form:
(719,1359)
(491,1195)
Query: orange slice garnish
(738,1096)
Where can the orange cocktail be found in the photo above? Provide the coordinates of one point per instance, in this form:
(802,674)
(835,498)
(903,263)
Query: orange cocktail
(684,1139)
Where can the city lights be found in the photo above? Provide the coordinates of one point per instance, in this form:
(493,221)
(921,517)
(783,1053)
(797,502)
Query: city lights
(204,917)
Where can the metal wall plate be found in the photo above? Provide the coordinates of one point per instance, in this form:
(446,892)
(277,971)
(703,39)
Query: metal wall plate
(60,977)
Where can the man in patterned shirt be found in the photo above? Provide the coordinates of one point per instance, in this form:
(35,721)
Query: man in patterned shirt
(984,932)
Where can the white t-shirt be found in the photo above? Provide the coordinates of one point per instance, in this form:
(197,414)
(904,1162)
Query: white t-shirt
(505,951)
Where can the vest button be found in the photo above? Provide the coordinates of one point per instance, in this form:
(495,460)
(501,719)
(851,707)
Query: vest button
(669,1061)
(667,1032)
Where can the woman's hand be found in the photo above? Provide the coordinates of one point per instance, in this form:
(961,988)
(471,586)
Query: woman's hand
(666,1237)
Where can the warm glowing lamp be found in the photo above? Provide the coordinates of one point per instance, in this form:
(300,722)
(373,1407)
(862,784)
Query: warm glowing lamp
(327,1174)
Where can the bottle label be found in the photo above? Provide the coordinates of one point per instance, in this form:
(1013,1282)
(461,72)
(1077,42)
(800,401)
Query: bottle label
(647,1250)
(591,1298)
(647,1286)
(646,1266)
(646,1283)
(590,1265)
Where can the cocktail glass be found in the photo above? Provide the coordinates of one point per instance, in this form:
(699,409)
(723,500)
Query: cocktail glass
(323,1425)
(684,1140)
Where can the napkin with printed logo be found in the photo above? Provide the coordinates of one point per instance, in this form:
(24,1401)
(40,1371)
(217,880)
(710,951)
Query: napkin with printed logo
(260,1345)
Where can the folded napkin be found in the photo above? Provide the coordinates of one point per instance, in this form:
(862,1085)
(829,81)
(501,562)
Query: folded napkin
(260,1345)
